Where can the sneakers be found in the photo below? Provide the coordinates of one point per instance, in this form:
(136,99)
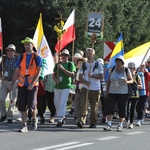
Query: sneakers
(138,124)
(80,124)
(52,119)
(2,118)
(61,122)
(10,121)
(119,129)
(92,126)
(107,128)
(23,128)
(34,123)
(130,126)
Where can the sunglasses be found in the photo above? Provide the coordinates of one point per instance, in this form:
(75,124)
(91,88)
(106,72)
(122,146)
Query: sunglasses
(64,55)
(10,50)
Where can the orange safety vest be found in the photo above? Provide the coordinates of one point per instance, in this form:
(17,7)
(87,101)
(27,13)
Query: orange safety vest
(29,72)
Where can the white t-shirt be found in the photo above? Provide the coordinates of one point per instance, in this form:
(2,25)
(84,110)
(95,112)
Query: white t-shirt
(95,83)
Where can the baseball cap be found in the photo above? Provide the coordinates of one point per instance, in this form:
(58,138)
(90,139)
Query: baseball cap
(65,51)
(27,40)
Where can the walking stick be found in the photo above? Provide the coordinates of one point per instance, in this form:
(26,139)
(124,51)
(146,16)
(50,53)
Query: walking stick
(93,39)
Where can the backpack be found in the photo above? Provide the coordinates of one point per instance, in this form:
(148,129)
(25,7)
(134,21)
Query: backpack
(84,66)
(132,88)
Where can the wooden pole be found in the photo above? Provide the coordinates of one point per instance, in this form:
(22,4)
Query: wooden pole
(93,42)
(72,50)
(60,19)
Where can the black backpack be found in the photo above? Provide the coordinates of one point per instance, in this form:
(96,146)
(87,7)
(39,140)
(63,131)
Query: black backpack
(84,66)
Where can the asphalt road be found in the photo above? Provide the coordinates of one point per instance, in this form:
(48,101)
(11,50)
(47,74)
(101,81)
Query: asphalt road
(48,137)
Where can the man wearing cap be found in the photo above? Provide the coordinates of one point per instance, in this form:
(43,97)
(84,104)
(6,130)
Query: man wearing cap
(27,72)
(63,71)
(7,69)
(89,76)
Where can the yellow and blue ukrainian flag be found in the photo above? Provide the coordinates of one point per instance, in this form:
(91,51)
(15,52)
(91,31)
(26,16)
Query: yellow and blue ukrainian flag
(118,50)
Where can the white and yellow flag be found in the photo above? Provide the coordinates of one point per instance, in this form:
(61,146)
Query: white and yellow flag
(138,55)
(42,47)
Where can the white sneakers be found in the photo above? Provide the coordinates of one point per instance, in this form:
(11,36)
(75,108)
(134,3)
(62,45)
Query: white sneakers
(138,124)
(130,126)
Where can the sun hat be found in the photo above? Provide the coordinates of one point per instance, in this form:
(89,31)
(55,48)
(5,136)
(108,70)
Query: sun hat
(11,46)
(131,65)
(65,51)
(120,57)
(77,55)
(91,49)
(27,40)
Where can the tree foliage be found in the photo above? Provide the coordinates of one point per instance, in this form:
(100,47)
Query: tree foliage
(19,19)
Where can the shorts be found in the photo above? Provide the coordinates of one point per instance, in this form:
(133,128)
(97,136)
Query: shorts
(27,99)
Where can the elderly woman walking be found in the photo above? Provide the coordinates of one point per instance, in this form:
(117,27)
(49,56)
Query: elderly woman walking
(117,92)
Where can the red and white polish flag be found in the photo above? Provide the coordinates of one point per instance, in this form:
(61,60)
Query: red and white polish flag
(69,35)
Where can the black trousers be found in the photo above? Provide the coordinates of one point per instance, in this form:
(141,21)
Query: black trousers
(49,96)
(120,100)
(140,107)
(130,108)
(41,105)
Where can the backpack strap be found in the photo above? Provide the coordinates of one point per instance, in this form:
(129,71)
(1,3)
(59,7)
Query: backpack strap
(95,66)
(84,67)
(112,69)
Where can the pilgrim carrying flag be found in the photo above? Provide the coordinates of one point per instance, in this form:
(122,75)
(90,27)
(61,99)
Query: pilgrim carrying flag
(118,51)
(1,39)
(42,47)
(69,35)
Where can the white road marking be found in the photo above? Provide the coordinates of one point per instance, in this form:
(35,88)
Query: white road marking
(135,133)
(57,146)
(109,138)
(74,146)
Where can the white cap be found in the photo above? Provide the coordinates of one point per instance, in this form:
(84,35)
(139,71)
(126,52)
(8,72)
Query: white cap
(90,49)
(100,60)
(65,51)
(11,46)
(77,55)
(131,65)
(120,57)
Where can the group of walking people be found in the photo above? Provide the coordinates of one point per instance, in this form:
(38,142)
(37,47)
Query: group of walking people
(20,77)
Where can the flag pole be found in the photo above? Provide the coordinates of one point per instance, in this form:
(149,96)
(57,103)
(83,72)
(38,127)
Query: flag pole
(72,50)
(145,56)
(1,45)
(59,29)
